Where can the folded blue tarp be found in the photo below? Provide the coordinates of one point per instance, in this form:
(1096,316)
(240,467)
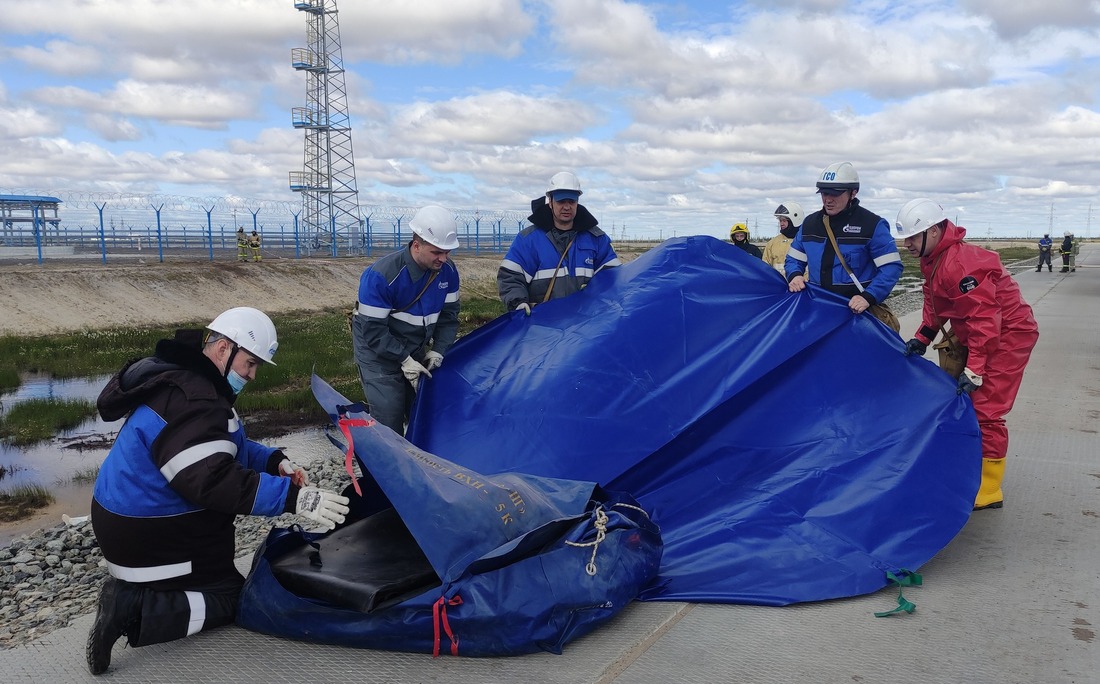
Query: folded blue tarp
(787,448)
(447,558)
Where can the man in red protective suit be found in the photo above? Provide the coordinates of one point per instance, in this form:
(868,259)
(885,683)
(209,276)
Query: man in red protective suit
(968,287)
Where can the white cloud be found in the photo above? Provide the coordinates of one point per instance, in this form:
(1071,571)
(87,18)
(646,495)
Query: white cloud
(177,105)
(442,31)
(497,118)
(1016,19)
(60,57)
(111,128)
(676,116)
(25,122)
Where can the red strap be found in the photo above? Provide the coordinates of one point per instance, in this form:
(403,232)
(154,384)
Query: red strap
(439,615)
(345,426)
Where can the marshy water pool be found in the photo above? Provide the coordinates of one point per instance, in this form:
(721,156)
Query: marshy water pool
(69,452)
(54,462)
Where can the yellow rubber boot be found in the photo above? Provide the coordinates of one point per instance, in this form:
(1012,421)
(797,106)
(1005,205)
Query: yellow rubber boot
(989,493)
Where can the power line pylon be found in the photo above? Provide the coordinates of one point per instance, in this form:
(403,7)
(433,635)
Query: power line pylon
(330,200)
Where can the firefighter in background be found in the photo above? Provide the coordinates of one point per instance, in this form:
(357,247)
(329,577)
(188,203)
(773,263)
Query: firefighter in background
(242,245)
(1045,246)
(790,217)
(739,236)
(1069,250)
(968,287)
(254,242)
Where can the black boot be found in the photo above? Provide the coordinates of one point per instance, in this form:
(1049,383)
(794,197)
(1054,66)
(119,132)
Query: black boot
(119,614)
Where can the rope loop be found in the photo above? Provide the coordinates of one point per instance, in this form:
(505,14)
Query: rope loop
(600,523)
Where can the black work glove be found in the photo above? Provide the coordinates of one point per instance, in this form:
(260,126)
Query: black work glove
(968,381)
(915,346)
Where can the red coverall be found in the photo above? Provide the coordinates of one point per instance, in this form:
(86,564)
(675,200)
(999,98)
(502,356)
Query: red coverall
(968,287)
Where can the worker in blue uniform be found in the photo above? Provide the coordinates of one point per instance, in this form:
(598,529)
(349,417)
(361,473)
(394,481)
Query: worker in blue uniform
(846,248)
(406,317)
(558,253)
(178,474)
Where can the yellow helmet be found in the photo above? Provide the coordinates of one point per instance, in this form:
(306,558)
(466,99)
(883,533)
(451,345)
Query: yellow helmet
(739,228)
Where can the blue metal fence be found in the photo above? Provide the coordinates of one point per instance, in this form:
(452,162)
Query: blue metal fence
(104,225)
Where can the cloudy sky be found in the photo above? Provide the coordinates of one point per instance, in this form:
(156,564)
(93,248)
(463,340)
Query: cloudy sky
(679,117)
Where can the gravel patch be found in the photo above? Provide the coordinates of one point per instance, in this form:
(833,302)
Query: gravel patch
(53,575)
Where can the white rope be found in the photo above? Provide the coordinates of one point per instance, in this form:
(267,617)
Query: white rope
(600,523)
(637,508)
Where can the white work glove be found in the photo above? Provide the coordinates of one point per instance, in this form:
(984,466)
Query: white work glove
(433,360)
(297,474)
(525,308)
(413,369)
(322,506)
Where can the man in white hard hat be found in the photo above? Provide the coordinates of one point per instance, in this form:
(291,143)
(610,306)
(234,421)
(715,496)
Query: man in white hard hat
(968,287)
(1069,250)
(845,248)
(406,317)
(789,215)
(558,253)
(179,472)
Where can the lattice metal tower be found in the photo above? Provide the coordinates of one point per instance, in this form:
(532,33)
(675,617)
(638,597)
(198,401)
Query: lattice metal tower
(330,200)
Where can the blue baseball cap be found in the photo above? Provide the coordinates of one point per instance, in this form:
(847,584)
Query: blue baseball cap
(559,195)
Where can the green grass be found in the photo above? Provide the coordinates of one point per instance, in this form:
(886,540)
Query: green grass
(37,420)
(21,500)
(308,342)
(84,476)
(1011,254)
(9,379)
(81,354)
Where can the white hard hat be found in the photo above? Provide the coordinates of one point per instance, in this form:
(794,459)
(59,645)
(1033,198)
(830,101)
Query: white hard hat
(838,176)
(250,329)
(792,211)
(566,182)
(436,226)
(916,217)
(1067,234)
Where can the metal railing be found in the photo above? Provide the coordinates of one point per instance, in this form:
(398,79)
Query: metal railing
(106,225)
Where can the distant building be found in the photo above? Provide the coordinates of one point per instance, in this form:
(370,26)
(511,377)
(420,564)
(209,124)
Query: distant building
(19,215)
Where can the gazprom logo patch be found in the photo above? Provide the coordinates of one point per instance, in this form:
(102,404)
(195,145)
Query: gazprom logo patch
(443,285)
(851,229)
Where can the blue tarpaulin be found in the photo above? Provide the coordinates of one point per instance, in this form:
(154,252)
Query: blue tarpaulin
(442,555)
(787,448)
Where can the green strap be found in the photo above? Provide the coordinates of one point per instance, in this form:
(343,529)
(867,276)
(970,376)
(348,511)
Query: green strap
(903,578)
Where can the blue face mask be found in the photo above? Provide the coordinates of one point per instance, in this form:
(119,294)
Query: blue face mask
(236,381)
